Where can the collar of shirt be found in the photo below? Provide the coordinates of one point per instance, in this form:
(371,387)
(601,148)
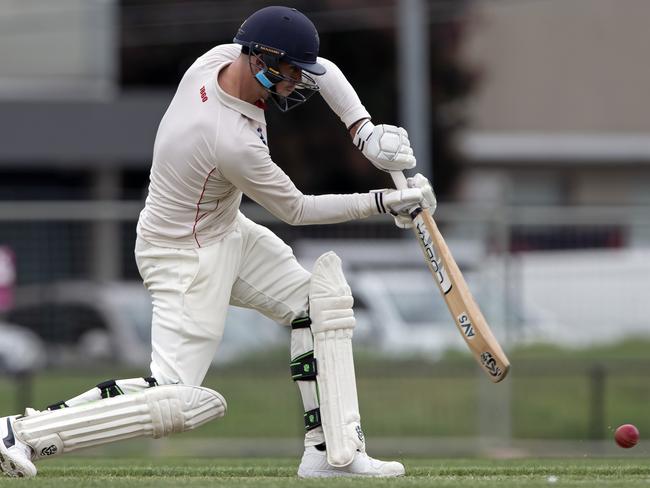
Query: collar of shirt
(246,109)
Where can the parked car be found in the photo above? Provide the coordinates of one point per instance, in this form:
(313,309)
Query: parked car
(21,350)
(82,320)
(402,312)
(599,295)
(399,308)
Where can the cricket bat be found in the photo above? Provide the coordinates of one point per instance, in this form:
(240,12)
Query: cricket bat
(463,308)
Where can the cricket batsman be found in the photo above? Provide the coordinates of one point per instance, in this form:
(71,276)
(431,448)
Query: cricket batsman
(197,253)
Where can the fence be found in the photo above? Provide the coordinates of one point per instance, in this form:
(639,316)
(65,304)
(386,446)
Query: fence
(564,275)
(436,409)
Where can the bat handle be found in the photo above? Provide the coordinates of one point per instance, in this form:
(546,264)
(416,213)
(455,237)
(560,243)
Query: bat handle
(400,183)
(399,179)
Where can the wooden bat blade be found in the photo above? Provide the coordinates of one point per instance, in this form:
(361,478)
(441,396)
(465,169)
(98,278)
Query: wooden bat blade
(463,308)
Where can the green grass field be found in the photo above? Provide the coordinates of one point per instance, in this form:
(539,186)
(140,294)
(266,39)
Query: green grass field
(276,473)
(551,394)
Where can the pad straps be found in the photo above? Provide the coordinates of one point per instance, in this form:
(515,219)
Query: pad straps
(303,367)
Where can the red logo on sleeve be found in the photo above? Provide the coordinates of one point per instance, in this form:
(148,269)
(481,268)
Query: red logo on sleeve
(204,95)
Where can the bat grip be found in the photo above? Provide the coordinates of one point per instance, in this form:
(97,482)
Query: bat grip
(399,179)
(400,183)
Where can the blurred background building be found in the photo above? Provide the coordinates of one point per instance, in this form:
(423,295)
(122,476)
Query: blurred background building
(530,117)
(560,115)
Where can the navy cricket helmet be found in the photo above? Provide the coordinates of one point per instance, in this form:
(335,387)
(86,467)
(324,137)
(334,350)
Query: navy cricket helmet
(275,34)
(286,30)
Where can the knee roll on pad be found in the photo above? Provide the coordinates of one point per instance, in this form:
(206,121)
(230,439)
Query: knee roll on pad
(155,412)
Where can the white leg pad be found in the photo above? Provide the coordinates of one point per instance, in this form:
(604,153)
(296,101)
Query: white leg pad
(155,412)
(330,309)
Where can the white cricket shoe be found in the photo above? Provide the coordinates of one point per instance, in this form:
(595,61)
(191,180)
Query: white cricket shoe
(15,456)
(314,465)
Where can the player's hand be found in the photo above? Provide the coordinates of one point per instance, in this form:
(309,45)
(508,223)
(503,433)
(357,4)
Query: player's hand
(420,181)
(398,203)
(386,146)
(428,202)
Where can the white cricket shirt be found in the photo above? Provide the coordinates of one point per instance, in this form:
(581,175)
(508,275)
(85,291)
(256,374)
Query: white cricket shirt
(210,147)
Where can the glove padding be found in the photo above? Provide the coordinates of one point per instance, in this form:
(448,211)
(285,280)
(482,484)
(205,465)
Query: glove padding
(386,146)
(429,202)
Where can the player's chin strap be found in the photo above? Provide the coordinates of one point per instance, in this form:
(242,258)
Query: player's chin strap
(264,80)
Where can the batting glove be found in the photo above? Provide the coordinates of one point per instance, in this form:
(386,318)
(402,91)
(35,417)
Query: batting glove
(397,202)
(386,146)
(428,202)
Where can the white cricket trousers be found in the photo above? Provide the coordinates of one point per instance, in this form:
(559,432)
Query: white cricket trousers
(191,288)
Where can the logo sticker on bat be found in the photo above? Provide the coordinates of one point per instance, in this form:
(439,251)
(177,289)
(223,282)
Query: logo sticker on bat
(466,325)
(434,263)
(490,364)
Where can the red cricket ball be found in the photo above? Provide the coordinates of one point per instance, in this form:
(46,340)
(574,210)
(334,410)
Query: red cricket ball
(626,436)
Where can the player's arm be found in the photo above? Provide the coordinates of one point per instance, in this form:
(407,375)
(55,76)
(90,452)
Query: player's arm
(386,146)
(250,168)
(339,94)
